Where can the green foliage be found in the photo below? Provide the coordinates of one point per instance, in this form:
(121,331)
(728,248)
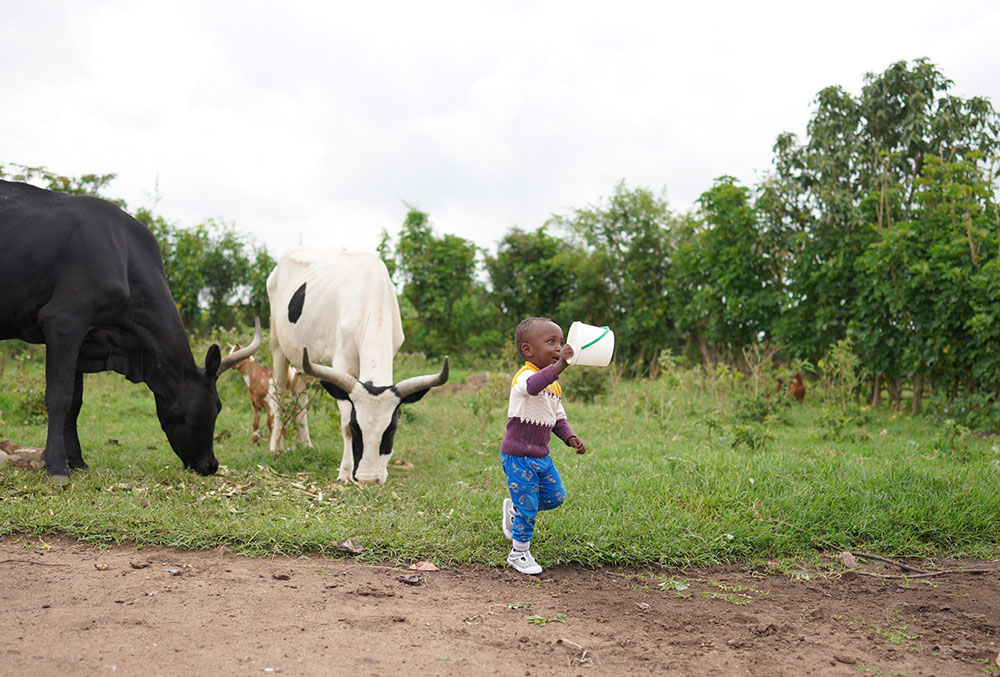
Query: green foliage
(843,424)
(586,384)
(450,309)
(726,274)
(752,436)
(953,438)
(87,184)
(529,276)
(841,372)
(217,277)
(630,245)
(977,410)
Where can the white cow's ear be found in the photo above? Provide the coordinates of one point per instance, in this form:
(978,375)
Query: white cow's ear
(336,390)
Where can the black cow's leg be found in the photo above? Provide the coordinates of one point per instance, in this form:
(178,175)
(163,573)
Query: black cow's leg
(74,454)
(62,348)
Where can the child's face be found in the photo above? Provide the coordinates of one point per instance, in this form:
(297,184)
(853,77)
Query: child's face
(543,344)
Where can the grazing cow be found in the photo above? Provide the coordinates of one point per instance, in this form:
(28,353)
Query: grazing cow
(86,279)
(335,316)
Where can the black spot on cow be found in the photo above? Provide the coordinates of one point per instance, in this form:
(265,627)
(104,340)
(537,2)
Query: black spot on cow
(295,305)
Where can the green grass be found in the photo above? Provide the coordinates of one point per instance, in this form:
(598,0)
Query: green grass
(662,483)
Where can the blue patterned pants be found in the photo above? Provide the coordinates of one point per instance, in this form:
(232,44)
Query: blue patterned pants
(534,485)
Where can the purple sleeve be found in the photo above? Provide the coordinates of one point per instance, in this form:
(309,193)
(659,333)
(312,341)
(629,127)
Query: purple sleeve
(537,382)
(562,430)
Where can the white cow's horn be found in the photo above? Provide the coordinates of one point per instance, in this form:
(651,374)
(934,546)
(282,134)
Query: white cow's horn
(339,378)
(412,385)
(235,358)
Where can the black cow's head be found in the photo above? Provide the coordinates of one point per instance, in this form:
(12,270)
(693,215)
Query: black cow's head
(374,413)
(187,412)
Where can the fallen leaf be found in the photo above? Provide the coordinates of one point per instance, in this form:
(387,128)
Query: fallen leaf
(423,566)
(642,605)
(347,545)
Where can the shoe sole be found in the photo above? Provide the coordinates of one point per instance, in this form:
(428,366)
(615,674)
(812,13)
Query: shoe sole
(509,536)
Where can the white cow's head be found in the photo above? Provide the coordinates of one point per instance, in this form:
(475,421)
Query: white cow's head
(374,412)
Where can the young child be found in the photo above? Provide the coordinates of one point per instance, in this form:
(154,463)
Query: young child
(535,412)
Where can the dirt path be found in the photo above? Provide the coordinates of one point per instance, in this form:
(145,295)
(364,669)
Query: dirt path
(69,609)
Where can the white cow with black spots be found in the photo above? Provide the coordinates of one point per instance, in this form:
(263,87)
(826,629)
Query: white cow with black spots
(334,316)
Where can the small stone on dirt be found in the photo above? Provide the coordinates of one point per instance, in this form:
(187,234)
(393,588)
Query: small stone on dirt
(847,559)
(347,545)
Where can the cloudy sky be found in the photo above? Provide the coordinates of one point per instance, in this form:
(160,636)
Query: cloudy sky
(321,122)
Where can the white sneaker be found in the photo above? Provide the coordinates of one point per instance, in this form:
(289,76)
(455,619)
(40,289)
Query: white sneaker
(523,562)
(507,521)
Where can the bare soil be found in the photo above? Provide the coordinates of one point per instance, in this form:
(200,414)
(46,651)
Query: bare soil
(69,609)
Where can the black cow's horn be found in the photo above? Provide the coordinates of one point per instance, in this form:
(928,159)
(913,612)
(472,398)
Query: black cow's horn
(412,385)
(235,358)
(339,378)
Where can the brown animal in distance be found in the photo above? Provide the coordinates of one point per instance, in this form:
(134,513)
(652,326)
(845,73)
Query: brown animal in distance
(259,380)
(796,387)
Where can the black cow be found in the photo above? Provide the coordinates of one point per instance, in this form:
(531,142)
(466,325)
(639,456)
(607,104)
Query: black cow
(86,279)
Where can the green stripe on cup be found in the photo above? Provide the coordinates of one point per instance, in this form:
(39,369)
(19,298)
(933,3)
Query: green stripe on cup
(606,330)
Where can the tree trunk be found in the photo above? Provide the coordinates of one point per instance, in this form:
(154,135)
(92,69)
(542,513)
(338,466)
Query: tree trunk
(895,394)
(877,392)
(918,393)
(705,354)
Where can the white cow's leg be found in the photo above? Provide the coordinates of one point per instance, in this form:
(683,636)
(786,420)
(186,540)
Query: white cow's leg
(279,388)
(347,462)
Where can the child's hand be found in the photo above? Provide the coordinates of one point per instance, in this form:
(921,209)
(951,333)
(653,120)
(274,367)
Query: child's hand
(565,357)
(577,444)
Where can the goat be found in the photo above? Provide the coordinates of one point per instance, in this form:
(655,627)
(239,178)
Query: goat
(263,396)
(260,384)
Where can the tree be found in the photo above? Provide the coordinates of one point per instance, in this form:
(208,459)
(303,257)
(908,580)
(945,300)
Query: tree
(725,278)
(87,184)
(847,189)
(629,243)
(450,308)
(217,276)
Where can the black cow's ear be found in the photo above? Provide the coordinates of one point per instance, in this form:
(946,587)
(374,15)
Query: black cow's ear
(334,390)
(415,397)
(212,360)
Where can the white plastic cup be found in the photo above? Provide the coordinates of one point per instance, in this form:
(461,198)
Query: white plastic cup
(592,346)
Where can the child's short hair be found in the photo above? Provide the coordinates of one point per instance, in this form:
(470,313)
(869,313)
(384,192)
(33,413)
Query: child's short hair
(523,329)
